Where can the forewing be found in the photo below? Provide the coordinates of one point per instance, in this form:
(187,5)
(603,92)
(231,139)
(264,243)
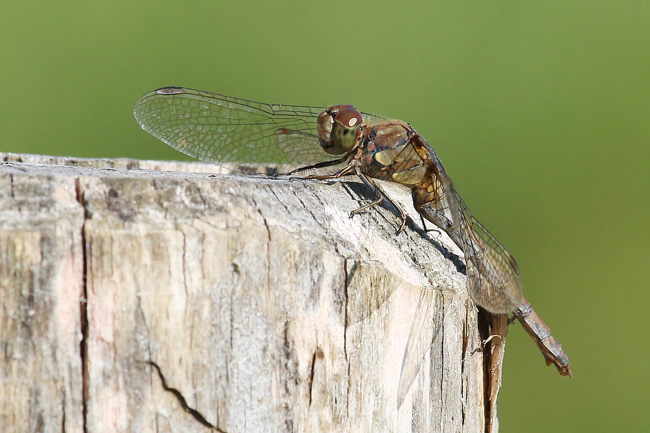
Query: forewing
(224,129)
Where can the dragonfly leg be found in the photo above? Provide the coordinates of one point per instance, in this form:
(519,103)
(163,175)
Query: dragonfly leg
(424,226)
(435,216)
(381,197)
(351,169)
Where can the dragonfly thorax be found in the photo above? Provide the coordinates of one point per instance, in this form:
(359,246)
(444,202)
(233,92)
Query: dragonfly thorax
(339,129)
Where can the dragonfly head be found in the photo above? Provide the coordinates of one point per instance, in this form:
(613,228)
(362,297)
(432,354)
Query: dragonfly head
(339,129)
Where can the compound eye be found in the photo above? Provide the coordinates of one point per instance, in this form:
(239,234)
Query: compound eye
(339,129)
(348,116)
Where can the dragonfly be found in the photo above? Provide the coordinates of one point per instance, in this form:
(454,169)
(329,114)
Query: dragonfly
(345,141)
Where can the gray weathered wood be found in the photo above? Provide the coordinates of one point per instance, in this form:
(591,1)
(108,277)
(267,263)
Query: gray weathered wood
(140,300)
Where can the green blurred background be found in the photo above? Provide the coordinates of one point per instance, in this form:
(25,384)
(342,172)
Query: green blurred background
(539,110)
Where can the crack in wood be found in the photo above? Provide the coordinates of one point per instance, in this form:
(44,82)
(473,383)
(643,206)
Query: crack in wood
(311,378)
(196,414)
(83,308)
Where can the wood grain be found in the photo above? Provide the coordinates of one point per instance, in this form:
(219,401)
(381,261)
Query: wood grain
(136,299)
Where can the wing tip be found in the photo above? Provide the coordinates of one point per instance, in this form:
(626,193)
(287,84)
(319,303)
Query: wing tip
(170,91)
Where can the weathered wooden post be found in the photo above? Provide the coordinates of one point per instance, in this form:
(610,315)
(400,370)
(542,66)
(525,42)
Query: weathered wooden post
(142,300)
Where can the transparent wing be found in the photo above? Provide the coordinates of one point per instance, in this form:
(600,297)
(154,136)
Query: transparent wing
(419,341)
(492,273)
(224,129)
